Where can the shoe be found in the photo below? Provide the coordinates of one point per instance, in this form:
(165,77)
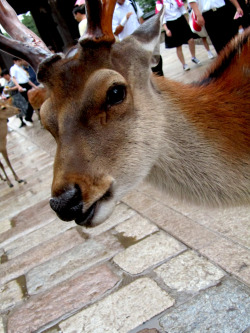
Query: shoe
(186,67)
(210,55)
(29,120)
(196,61)
(22,124)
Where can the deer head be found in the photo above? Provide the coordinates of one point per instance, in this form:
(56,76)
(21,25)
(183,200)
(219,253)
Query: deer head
(7,110)
(94,118)
(116,124)
(91,110)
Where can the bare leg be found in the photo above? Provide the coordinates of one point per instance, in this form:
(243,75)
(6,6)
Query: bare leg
(205,43)
(180,54)
(191,47)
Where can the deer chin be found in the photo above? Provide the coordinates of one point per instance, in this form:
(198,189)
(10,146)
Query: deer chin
(96,214)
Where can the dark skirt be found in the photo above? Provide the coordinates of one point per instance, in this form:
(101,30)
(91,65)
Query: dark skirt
(181,33)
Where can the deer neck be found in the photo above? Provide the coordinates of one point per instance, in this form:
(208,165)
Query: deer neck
(203,142)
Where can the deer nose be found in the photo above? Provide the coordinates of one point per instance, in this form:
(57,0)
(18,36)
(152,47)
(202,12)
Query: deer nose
(68,205)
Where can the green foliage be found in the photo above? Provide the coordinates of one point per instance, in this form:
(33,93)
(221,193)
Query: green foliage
(147,5)
(5,34)
(29,22)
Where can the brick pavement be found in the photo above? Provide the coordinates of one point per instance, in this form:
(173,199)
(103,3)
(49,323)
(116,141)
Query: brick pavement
(156,265)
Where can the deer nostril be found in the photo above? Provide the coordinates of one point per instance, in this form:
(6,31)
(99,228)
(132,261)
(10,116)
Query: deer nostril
(68,205)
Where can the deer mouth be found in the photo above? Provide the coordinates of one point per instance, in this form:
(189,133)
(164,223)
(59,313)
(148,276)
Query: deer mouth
(85,218)
(69,206)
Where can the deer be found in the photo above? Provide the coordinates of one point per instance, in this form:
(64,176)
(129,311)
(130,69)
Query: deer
(116,124)
(6,111)
(36,98)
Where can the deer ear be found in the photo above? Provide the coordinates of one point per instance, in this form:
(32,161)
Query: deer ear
(46,67)
(149,33)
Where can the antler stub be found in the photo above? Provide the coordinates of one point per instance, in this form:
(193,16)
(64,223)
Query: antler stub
(99,21)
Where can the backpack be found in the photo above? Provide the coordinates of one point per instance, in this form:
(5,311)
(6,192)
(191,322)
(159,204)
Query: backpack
(134,5)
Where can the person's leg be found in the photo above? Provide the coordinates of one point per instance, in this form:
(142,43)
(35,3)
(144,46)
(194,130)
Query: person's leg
(181,57)
(22,122)
(29,112)
(158,68)
(191,47)
(180,54)
(205,43)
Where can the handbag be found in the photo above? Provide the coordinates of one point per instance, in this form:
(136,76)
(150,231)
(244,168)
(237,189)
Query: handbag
(195,27)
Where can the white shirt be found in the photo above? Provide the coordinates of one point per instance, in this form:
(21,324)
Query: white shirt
(172,11)
(206,5)
(82,26)
(19,73)
(132,24)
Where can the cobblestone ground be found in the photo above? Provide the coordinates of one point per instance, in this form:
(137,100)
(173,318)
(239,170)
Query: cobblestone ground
(156,265)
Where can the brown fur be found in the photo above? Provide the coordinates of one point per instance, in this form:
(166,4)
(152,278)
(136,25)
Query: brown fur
(190,140)
(6,111)
(37,97)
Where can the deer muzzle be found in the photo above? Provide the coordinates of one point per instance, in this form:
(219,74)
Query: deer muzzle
(69,205)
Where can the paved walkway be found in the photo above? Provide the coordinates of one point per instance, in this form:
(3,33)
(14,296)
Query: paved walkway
(156,265)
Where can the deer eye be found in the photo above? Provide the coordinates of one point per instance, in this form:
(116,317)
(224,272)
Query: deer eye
(116,95)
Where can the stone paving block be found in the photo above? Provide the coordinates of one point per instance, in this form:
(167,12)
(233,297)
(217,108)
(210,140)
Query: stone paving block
(149,330)
(180,226)
(231,222)
(36,237)
(10,294)
(121,311)
(231,257)
(189,273)
(1,325)
(136,227)
(139,201)
(65,298)
(81,257)
(20,265)
(148,252)
(36,189)
(5,225)
(1,254)
(120,214)
(28,220)
(224,308)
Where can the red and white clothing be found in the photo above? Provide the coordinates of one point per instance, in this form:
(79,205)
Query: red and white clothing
(219,24)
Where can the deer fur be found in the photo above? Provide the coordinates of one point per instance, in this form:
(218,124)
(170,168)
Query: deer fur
(192,141)
(116,124)
(36,98)
(6,111)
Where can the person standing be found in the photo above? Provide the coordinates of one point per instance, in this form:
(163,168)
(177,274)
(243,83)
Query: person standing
(21,80)
(127,18)
(178,31)
(214,15)
(11,90)
(79,14)
(30,71)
